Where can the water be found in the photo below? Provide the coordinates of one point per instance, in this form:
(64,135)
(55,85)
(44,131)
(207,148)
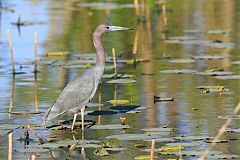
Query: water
(68,27)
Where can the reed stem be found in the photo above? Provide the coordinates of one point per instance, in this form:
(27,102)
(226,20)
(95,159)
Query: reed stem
(114,63)
(35,51)
(11,51)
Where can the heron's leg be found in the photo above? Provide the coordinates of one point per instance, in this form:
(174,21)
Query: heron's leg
(74,120)
(82,116)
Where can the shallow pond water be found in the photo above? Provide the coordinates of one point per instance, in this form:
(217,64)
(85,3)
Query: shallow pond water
(199,36)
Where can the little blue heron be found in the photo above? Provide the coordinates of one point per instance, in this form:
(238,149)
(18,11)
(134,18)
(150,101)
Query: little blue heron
(82,89)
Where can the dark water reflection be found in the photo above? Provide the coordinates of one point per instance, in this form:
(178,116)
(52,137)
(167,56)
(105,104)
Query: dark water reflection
(69,26)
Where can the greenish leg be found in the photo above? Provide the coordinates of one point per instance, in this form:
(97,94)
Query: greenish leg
(74,120)
(82,116)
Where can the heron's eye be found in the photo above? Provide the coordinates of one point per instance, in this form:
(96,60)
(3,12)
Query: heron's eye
(107,27)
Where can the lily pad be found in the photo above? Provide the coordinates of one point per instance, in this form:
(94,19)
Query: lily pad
(115,149)
(110,126)
(182,61)
(220,45)
(233,130)
(171,148)
(218,31)
(179,71)
(194,153)
(160,129)
(162,139)
(119,102)
(56,54)
(236,62)
(184,144)
(112,143)
(133,137)
(207,89)
(218,141)
(101,152)
(161,99)
(217,73)
(65,143)
(182,38)
(145,157)
(229,117)
(193,138)
(122,81)
(209,57)
(230,77)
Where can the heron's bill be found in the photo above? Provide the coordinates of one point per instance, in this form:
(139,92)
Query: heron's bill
(117,28)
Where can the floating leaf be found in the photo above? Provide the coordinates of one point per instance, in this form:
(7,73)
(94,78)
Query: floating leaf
(179,71)
(220,45)
(232,77)
(160,99)
(171,148)
(160,129)
(194,138)
(187,144)
(217,73)
(115,149)
(112,143)
(182,61)
(101,152)
(233,130)
(194,153)
(229,117)
(145,157)
(218,141)
(140,145)
(122,81)
(236,62)
(65,143)
(133,136)
(209,57)
(110,126)
(207,89)
(182,38)
(118,102)
(159,134)
(162,139)
(218,31)
(193,31)
(54,54)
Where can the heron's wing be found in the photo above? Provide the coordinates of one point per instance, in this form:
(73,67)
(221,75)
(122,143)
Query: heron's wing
(75,95)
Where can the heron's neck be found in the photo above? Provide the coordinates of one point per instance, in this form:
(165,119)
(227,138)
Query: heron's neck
(99,49)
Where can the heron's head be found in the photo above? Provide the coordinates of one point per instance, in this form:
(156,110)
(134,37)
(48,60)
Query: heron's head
(104,28)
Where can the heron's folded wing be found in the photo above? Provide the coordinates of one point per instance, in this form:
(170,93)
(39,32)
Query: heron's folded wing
(76,94)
